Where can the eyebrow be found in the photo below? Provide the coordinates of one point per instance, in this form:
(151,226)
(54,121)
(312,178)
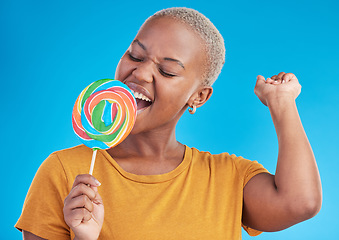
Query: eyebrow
(140,44)
(175,60)
(166,58)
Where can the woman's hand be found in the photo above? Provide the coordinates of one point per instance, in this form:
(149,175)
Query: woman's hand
(284,86)
(84,209)
(293,194)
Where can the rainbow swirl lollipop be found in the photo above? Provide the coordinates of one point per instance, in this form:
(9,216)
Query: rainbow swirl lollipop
(104,114)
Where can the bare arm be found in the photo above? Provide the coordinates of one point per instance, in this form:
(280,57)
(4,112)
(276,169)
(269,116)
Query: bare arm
(273,203)
(30,236)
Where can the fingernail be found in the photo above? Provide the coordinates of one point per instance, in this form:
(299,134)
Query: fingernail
(97,182)
(283,81)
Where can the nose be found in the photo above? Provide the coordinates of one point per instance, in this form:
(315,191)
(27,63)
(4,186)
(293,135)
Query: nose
(144,71)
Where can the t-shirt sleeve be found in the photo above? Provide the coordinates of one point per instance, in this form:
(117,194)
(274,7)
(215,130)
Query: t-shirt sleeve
(42,213)
(248,169)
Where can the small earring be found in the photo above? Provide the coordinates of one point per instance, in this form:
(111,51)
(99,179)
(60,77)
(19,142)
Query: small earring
(192,111)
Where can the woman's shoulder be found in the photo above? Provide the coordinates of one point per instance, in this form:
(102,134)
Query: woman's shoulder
(208,156)
(76,158)
(227,164)
(223,158)
(73,153)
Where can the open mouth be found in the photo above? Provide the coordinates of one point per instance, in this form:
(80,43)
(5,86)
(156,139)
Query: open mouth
(143,102)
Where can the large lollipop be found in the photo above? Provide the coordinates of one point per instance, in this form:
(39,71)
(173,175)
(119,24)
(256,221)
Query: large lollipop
(104,115)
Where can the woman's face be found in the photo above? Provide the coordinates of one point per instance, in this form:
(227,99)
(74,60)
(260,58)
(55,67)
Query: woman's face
(163,65)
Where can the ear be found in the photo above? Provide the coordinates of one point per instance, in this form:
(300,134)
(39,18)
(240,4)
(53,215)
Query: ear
(200,96)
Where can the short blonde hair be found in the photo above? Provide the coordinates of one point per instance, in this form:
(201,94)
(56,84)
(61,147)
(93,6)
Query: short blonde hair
(214,42)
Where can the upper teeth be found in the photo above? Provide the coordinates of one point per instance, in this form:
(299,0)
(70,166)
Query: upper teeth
(141,96)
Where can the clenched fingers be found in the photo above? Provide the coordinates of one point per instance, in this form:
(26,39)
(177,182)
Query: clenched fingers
(78,216)
(288,77)
(82,189)
(276,79)
(81,201)
(280,75)
(86,179)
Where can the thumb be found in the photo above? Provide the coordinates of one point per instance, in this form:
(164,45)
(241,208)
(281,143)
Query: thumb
(260,80)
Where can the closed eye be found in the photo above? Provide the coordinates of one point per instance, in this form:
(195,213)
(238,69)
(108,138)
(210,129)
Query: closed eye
(135,59)
(166,74)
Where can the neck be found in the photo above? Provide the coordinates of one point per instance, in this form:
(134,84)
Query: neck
(159,143)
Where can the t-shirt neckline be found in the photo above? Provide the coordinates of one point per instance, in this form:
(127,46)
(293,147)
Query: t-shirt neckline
(152,178)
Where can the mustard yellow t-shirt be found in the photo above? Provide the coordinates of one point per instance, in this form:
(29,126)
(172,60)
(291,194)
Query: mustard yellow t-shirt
(201,199)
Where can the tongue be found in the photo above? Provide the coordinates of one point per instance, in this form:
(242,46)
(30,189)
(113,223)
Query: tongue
(142,104)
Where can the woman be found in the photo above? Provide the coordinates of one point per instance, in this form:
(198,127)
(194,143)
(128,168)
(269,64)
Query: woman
(154,187)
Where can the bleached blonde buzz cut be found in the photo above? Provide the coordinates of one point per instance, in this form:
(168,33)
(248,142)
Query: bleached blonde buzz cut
(214,42)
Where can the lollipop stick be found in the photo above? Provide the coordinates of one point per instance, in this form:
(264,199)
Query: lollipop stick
(93,161)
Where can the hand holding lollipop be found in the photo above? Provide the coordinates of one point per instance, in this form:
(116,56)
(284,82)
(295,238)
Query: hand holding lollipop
(104,115)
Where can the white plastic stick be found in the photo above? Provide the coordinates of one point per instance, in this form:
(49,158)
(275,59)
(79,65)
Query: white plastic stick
(93,161)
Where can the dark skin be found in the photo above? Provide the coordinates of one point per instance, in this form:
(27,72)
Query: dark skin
(293,194)
(165,63)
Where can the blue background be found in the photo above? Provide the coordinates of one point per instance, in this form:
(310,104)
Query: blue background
(51,50)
